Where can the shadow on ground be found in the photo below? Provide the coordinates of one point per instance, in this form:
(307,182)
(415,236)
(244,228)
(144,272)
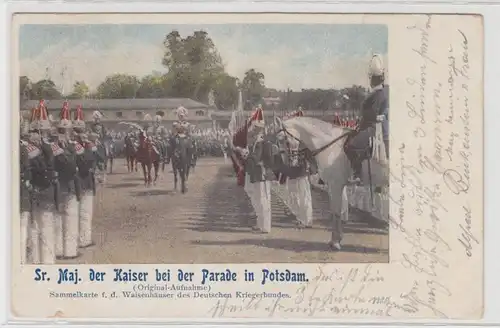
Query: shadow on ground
(228,209)
(293,245)
(149,192)
(123,185)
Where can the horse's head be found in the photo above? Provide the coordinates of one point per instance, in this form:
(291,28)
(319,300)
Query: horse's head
(287,134)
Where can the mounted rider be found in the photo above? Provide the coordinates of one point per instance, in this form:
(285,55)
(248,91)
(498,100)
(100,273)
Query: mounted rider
(45,187)
(375,105)
(67,220)
(86,160)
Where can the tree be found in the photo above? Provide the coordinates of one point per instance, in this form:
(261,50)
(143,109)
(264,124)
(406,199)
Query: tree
(45,89)
(253,87)
(226,92)
(152,86)
(194,64)
(25,88)
(80,90)
(119,86)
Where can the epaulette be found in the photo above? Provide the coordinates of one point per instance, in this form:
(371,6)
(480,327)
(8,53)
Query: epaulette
(78,147)
(56,149)
(33,151)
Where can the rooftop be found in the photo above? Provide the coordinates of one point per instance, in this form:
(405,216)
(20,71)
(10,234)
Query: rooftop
(119,104)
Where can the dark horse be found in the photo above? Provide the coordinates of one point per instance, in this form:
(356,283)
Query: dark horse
(180,152)
(130,153)
(149,157)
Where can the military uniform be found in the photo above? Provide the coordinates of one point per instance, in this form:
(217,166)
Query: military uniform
(374,106)
(25,198)
(86,160)
(260,174)
(45,188)
(67,219)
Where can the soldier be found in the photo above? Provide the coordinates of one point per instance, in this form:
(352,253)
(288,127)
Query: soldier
(260,173)
(25,189)
(373,108)
(299,165)
(67,220)
(86,162)
(97,127)
(182,114)
(45,184)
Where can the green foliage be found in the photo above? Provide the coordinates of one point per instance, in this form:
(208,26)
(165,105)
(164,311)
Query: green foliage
(80,91)
(194,69)
(194,65)
(253,88)
(44,89)
(226,92)
(118,86)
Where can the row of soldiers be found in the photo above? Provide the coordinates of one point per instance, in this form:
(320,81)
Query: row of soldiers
(347,122)
(58,185)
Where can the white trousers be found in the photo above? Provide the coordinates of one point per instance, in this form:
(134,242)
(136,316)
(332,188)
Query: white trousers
(85,211)
(225,157)
(300,200)
(262,196)
(67,229)
(25,222)
(42,237)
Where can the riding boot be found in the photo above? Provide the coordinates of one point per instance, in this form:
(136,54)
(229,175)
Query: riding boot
(86,207)
(356,165)
(25,220)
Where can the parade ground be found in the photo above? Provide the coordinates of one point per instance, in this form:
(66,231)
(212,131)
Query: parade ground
(212,223)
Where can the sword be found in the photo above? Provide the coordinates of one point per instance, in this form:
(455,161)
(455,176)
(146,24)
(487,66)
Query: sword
(56,185)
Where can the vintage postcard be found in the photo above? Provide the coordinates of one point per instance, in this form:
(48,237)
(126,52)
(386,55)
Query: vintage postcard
(245,166)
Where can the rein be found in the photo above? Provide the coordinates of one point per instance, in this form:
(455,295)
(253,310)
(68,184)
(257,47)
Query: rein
(315,152)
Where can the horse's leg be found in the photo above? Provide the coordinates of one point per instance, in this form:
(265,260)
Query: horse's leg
(135,163)
(156,166)
(127,158)
(335,193)
(174,169)
(145,173)
(150,180)
(111,165)
(182,173)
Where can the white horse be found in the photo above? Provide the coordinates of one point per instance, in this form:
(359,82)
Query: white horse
(326,143)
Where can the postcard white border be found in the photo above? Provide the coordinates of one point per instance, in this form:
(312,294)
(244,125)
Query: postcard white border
(491,21)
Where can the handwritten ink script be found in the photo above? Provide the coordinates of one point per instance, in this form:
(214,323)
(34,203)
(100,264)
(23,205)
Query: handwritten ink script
(433,172)
(430,215)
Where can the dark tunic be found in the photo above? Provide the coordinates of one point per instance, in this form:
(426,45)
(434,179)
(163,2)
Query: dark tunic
(25,178)
(375,104)
(258,164)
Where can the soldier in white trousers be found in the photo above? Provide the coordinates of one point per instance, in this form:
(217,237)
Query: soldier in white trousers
(260,174)
(25,192)
(67,221)
(45,190)
(86,162)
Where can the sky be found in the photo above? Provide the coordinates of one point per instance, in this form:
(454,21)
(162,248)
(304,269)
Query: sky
(290,55)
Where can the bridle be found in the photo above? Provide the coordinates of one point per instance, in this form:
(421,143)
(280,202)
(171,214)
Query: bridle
(316,152)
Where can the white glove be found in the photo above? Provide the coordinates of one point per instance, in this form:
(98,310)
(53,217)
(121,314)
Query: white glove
(380,118)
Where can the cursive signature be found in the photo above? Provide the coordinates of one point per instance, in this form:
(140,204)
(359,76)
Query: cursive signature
(466,237)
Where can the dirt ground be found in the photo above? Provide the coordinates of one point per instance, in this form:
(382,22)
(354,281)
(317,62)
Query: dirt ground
(212,224)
